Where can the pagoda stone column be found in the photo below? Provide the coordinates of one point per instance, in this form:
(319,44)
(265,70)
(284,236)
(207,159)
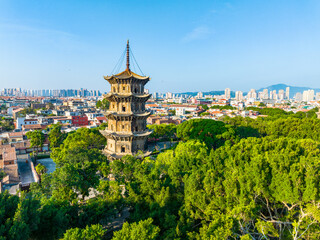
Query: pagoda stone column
(126,133)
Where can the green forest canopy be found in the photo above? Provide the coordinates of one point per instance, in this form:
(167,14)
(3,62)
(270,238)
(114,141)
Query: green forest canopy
(239,178)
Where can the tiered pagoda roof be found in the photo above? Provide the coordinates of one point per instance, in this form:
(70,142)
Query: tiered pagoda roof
(132,138)
(128,96)
(120,155)
(126,75)
(127,134)
(119,114)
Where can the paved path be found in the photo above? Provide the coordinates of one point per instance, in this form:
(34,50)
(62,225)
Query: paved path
(48,163)
(24,168)
(160,145)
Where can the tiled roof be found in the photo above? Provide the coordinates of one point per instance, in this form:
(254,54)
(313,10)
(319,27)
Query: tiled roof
(3,147)
(13,175)
(34,126)
(101,118)
(126,74)
(151,105)
(21,145)
(15,134)
(9,154)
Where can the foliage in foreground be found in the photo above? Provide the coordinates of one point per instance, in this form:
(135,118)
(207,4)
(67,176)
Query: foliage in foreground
(237,179)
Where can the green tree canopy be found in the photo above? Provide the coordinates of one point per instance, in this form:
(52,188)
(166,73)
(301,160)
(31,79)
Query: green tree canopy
(164,130)
(93,232)
(104,104)
(83,138)
(56,136)
(136,231)
(205,130)
(41,169)
(36,139)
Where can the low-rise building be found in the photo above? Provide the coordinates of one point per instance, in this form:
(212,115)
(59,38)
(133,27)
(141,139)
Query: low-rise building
(62,120)
(30,121)
(31,127)
(15,137)
(100,120)
(80,120)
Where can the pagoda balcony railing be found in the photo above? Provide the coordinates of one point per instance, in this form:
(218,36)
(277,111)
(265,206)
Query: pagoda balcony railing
(126,134)
(116,94)
(136,113)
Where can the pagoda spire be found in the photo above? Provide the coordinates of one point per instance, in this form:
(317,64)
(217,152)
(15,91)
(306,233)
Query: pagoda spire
(128,57)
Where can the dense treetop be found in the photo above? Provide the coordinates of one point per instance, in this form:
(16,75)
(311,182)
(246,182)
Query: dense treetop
(238,178)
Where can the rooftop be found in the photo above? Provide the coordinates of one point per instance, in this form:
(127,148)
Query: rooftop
(125,75)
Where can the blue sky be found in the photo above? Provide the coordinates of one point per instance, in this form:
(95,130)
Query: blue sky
(182,45)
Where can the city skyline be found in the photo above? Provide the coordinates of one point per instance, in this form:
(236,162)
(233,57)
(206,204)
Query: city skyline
(217,44)
(283,92)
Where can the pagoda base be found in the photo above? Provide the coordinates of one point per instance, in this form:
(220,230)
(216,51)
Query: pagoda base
(114,156)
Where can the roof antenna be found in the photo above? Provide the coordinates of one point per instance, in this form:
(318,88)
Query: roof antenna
(128,58)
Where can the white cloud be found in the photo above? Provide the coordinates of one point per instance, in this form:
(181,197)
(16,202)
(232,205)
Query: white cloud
(197,33)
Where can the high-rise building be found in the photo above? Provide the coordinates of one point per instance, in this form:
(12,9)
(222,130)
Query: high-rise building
(265,94)
(252,94)
(168,95)
(239,95)
(200,95)
(287,92)
(298,97)
(227,93)
(308,95)
(281,94)
(126,132)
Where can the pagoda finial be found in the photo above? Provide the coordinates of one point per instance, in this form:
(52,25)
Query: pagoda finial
(128,58)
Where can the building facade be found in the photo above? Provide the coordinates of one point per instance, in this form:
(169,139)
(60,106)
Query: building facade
(80,120)
(126,133)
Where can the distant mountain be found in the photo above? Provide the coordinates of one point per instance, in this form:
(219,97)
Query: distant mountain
(293,89)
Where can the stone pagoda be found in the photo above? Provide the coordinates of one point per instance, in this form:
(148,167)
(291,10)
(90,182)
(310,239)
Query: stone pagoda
(126,132)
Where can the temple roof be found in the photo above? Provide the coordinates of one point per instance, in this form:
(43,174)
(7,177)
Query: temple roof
(125,75)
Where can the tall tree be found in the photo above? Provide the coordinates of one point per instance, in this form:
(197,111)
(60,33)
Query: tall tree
(136,231)
(93,232)
(36,140)
(56,136)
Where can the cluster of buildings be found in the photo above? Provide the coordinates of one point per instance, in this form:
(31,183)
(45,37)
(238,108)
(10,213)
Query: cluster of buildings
(13,146)
(252,95)
(131,108)
(165,108)
(46,111)
(18,92)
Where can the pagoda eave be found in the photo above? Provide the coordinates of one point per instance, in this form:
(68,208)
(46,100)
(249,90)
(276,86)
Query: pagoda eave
(113,155)
(108,133)
(119,116)
(114,97)
(127,80)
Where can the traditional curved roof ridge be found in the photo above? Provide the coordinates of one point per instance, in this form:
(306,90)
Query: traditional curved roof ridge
(126,74)
(125,134)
